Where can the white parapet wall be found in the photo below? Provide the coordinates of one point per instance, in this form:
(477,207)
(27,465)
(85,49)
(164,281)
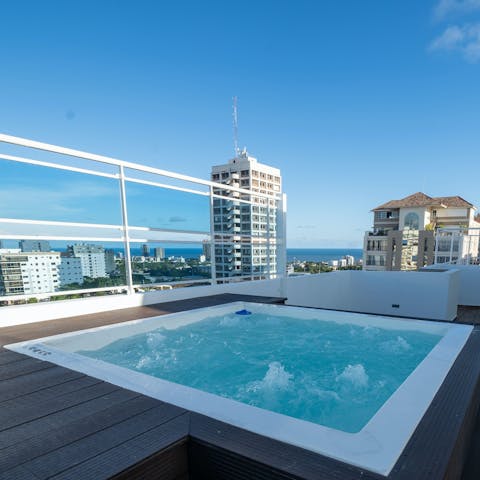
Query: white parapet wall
(469,290)
(430,295)
(38,312)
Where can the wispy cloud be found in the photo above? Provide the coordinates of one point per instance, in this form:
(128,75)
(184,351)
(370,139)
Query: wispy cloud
(464,39)
(445,8)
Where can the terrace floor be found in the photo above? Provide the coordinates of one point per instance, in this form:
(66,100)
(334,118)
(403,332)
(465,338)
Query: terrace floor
(59,424)
(469,315)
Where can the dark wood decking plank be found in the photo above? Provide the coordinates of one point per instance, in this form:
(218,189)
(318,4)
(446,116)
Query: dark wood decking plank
(22,367)
(39,380)
(121,406)
(38,398)
(86,448)
(429,452)
(31,407)
(43,425)
(211,462)
(472,465)
(8,356)
(129,453)
(17,473)
(468,314)
(257,449)
(22,421)
(168,464)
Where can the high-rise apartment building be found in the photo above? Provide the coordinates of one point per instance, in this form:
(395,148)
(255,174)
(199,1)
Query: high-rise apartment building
(34,246)
(28,272)
(145,250)
(245,233)
(403,235)
(70,270)
(110,265)
(159,253)
(207,250)
(92,259)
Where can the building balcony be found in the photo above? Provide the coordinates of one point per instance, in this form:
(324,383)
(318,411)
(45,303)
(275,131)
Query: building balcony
(376,233)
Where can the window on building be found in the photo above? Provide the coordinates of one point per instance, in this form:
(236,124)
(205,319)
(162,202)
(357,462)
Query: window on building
(412,221)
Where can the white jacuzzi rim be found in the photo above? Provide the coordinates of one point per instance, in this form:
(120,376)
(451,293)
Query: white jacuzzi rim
(376,447)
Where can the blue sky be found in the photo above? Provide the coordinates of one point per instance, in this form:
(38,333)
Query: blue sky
(356,102)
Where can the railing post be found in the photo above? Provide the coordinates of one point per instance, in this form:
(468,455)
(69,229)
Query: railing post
(451,247)
(126,237)
(268,242)
(282,243)
(213,266)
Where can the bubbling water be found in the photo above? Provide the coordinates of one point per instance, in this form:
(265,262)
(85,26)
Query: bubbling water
(276,378)
(337,375)
(354,375)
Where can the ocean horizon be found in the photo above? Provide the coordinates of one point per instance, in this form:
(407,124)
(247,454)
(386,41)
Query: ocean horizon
(300,254)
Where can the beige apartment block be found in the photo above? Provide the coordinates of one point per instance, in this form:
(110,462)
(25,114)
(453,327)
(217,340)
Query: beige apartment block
(404,232)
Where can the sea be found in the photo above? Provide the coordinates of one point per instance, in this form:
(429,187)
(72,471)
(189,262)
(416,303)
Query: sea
(300,254)
(186,251)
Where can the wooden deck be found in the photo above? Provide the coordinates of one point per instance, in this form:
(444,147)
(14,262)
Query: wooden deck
(59,424)
(470,315)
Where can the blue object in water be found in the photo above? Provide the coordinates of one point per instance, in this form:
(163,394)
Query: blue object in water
(243,312)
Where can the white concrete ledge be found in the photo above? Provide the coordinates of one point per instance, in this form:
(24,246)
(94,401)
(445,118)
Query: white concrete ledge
(429,295)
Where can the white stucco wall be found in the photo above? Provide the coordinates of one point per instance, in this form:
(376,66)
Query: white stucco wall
(469,282)
(430,295)
(423,216)
(452,212)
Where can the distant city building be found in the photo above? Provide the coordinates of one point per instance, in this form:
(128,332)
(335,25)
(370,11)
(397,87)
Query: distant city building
(145,250)
(202,259)
(34,246)
(334,264)
(110,265)
(245,233)
(350,260)
(70,270)
(207,250)
(28,272)
(403,236)
(159,253)
(92,259)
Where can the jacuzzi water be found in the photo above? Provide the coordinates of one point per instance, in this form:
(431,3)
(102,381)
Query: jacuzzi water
(350,386)
(337,375)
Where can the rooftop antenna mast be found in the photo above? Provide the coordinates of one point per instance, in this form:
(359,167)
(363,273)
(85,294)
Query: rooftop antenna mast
(235,127)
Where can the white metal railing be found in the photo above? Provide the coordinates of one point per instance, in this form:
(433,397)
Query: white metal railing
(40,229)
(457,245)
